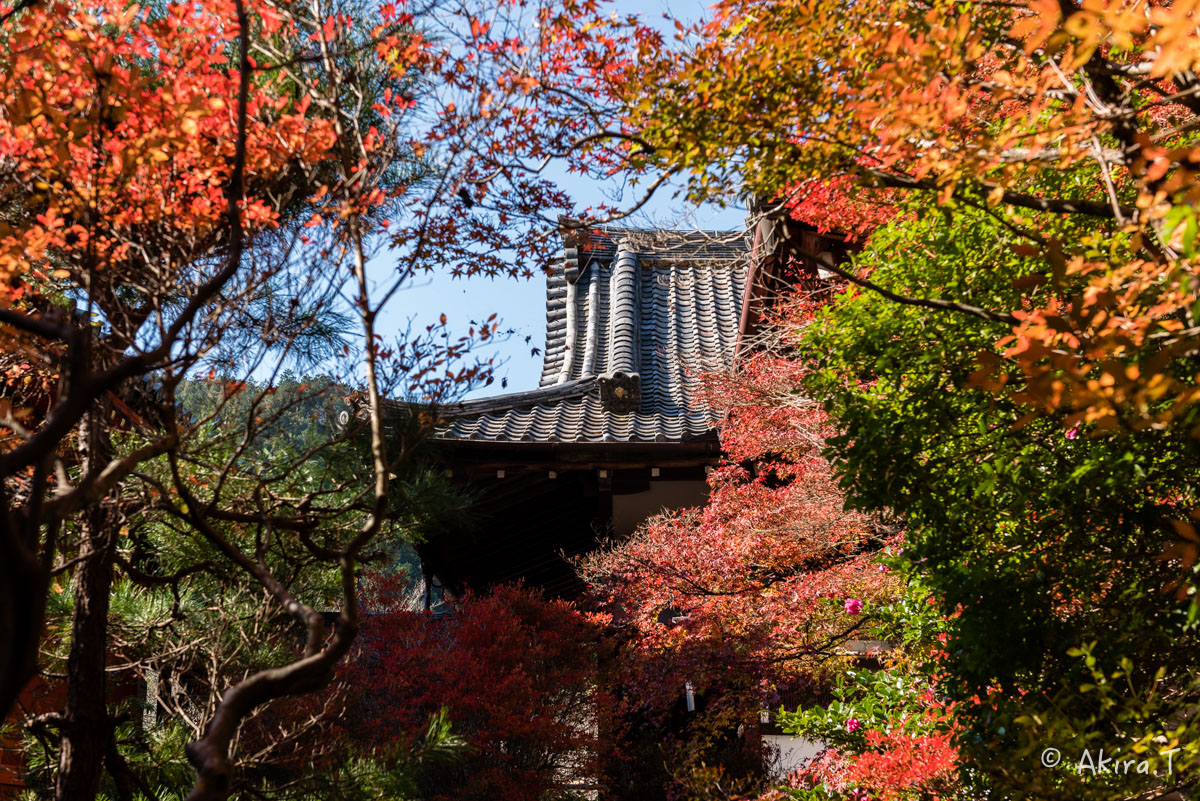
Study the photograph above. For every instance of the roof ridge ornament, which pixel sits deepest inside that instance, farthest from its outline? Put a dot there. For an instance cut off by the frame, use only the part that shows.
(621, 393)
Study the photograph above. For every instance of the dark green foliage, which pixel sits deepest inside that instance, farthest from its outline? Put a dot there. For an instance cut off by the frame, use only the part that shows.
(1042, 541)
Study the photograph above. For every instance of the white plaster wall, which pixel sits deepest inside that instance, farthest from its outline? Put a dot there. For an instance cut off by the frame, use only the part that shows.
(789, 753)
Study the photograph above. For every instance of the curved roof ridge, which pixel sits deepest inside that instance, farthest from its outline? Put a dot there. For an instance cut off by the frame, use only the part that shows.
(520, 400)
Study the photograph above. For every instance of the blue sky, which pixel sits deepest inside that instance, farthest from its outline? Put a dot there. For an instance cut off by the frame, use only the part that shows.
(521, 303)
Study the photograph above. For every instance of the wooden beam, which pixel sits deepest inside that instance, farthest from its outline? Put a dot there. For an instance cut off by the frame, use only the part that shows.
(513, 468)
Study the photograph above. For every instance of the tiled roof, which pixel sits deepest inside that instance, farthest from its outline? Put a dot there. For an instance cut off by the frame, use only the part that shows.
(632, 318)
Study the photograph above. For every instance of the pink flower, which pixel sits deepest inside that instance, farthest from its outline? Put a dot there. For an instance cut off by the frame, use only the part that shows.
(853, 606)
(852, 725)
(1073, 432)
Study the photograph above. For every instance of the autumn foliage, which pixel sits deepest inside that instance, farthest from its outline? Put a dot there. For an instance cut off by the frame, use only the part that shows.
(1022, 177)
(760, 574)
(102, 157)
(1011, 370)
(518, 677)
(1082, 111)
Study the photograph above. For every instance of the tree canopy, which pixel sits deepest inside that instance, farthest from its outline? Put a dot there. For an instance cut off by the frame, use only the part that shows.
(980, 449)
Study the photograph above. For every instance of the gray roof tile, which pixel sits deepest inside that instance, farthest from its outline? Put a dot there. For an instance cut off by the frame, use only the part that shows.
(632, 318)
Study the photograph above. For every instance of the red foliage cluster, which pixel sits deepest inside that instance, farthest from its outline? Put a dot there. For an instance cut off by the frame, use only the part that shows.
(756, 582)
(517, 676)
(841, 205)
(900, 762)
(163, 154)
(909, 759)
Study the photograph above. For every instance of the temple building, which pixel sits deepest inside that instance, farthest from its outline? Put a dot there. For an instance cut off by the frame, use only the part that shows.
(617, 429)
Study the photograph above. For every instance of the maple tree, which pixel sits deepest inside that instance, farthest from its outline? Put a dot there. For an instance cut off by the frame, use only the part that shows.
(86, 139)
(157, 168)
(888, 731)
(128, 206)
(757, 595)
